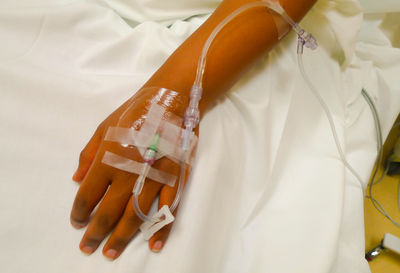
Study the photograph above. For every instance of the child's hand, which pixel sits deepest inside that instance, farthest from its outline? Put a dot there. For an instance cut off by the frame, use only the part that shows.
(115, 186)
(253, 34)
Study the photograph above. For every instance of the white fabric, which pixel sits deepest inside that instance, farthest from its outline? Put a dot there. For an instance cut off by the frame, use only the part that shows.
(138, 11)
(268, 192)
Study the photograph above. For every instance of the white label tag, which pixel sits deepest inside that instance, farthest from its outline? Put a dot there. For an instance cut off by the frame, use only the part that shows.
(149, 228)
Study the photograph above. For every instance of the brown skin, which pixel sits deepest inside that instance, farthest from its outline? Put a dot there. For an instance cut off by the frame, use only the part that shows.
(235, 49)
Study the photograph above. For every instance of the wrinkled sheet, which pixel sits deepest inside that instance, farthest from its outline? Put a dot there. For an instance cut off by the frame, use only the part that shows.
(268, 192)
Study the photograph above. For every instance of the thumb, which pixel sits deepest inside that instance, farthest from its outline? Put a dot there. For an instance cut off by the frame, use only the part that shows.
(87, 155)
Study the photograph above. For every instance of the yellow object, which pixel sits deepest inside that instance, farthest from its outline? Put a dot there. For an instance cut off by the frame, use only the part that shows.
(376, 225)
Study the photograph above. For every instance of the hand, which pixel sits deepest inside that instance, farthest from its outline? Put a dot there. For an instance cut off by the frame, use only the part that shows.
(256, 35)
(99, 180)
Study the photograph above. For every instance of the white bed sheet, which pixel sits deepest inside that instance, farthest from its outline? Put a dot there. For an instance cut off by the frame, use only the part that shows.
(268, 192)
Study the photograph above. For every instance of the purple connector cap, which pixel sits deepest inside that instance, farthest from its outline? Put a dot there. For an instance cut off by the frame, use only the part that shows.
(305, 39)
(310, 42)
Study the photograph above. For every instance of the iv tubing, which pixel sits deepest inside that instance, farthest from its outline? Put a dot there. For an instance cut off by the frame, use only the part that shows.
(148, 162)
(137, 190)
(202, 62)
(328, 115)
(174, 205)
(376, 119)
(192, 113)
(379, 138)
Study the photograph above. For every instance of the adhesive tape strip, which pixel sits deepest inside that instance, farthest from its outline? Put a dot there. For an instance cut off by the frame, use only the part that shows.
(170, 134)
(128, 136)
(149, 228)
(150, 126)
(124, 136)
(132, 166)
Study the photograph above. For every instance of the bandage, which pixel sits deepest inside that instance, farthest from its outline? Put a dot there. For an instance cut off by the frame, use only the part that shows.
(131, 166)
(170, 135)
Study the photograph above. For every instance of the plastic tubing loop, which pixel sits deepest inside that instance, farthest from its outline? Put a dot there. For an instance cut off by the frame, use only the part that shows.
(148, 158)
(378, 132)
(191, 118)
(190, 121)
(141, 180)
(139, 185)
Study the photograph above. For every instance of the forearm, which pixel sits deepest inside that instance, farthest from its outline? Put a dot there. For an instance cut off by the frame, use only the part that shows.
(237, 47)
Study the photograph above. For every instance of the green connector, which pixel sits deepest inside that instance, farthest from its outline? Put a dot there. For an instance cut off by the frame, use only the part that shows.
(154, 145)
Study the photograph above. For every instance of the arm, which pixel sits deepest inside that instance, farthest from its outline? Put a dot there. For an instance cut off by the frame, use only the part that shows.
(234, 50)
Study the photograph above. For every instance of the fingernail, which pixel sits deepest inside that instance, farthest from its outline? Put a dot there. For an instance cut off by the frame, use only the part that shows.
(157, 246)
(76, 224)
(111, 253)
(87, 249)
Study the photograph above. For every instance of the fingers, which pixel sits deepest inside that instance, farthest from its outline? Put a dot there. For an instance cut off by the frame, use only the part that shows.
(108, 213)
(89, 194)
(130, 222)
(87, 156)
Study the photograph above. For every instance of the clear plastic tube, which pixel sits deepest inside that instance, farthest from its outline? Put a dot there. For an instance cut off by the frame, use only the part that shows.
(330, 118)
(376, 120)
(379, 138)
(274, 5)
(139, 186)
(140, 180)
(181, 185)
(202, 61)
(136, 192)
(192, 113)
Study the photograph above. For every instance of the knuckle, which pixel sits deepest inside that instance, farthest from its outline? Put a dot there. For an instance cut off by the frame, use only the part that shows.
(119, 242)
(79, 210)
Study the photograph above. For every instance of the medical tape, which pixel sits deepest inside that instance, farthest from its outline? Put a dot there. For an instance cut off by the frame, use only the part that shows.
(149, 228)
(170, 135)
(150, 126)
(167, 146)
(131, 166)
(170, 142)
(127, 137)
